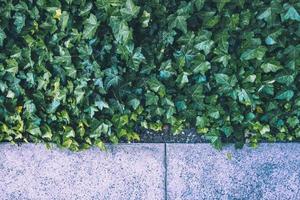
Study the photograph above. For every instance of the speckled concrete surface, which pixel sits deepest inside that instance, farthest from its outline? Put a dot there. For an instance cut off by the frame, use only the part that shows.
(125, 172)
(197, 171)
(137, 171)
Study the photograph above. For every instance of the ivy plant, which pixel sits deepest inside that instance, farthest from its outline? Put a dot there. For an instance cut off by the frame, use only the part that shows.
(84, 72)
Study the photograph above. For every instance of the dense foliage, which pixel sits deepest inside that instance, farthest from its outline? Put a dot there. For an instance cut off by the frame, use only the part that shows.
(83, 72)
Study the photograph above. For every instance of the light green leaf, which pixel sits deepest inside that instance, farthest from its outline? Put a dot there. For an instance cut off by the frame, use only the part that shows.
(10, 94)
(120, 30)
(197, 92)
(201, 121)
(291, 14)
(145, 19)
(101, 104)
(214, 114)
(64, 20)
(137, 59)
(244, 97)
(2, 37)
(285, 95)
(199, 4)
(285, 79)
(265, 15)
(293, 121)
(98, 128)
(205, 46)
(182, 79)
(297, 133)
(202, 67)
(12, 66)
(257, 53)
(34, 130)
(100, 145)
(53, 106)
(134, 103)
(155, 85)
(46, 131)
(270, 41)
(79, 94)
(112, 77)
(19, 21)
(251, 78)
(130, 10)
(221, 4)
(180, 23)
(222, 79)
(151, 99)
(269, 67)
(90, 27)
(69, 132)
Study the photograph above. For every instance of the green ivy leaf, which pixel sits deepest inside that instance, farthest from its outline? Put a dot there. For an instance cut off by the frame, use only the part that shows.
(155, 85)
(19, 21)
(151, 99)
(2, 37)
(199, 4)
(145, 19)
(112, 77)
(34, 130)
(101, 104)
(181, 106)
(182, 79)
(202, 67)
(244, 97)
(285, 95)
(270, 41)
(291, 14)
(257, 53)
(100, 145)
(12, 66)
(285, 79)
(222, 79)
(90, 27)
(137, 59)
(69, 132)
(227, 130)
(205, 46)
(266, 14)
(269, 67)
(293, 121)
(120, 30)
(130, 10)
(134, 103)
(202, 121)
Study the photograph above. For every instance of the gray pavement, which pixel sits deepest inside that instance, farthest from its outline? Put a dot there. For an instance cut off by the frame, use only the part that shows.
(196, 171)
(124, 172)
(150, 172)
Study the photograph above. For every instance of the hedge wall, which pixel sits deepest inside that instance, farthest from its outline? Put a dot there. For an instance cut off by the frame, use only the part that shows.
(82, 72)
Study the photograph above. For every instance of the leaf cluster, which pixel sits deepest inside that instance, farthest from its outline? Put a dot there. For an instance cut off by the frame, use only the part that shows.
(80, 72)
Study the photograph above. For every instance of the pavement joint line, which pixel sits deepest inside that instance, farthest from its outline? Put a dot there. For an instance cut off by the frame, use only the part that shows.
(166, 171)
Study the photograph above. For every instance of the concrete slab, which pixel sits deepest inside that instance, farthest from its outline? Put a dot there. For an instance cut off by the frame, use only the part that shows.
(197, 171)
(126, 172)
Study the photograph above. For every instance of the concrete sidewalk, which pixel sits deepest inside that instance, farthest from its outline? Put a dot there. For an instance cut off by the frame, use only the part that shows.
(150, 171)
